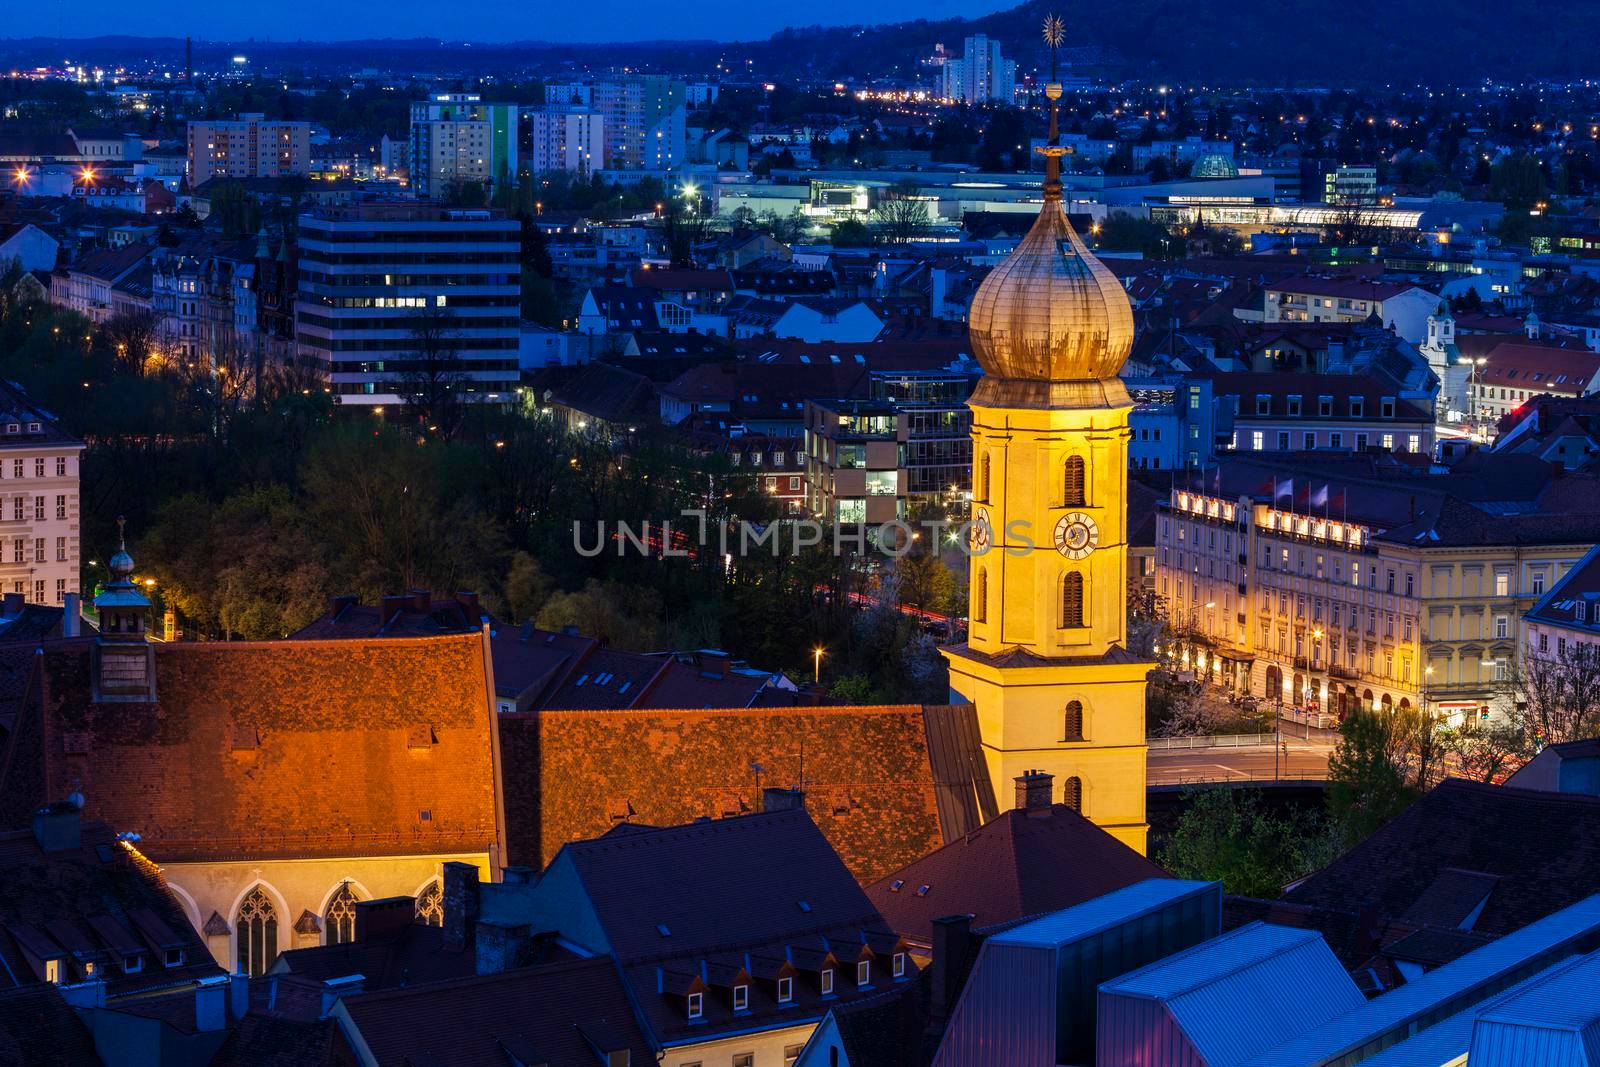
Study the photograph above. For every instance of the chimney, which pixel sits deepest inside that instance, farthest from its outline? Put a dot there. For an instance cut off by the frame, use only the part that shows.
(421, 601)
(71, 616)
(13, 605)
(506, 946)
(385, 918)
(952, 944)
(211, 1003)
(776, 799)
(238, 996)
(334, 988)
(516, 875)
(338, 604)
(390, 606)
(1034, 789)
(460, 904)
(469, 604)
(57, 827)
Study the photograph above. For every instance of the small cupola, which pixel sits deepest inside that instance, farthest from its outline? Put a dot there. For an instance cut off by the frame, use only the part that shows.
(124, 664)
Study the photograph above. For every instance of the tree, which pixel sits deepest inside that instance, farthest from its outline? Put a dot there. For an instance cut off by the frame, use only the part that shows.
(683, 229)
(901, 215)
(430, 378)
(1368, 783)
(527, 587)
(851, 233)
(1179, 710)
(1229, 836)
(925, 581)
(1553, 697)
(625, 617)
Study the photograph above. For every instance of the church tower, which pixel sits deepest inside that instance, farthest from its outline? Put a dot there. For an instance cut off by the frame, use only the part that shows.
(1045, 661)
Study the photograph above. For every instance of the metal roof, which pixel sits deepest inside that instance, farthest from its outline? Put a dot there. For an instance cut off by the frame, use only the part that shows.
(1236, 994)
(1449, 990)
(1104, 912)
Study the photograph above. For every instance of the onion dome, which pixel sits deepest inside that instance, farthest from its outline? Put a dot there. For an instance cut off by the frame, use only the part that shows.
(1051, 311)
(121, 564)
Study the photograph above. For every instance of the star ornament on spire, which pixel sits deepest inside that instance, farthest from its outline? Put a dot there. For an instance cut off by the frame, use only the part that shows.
(1055, 31)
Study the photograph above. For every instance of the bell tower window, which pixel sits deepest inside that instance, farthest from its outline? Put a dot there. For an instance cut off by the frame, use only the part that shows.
(980, 605)
(983, 479)
(1073, 719)
(1073, 483)
(1072, 600)
(1072, 794)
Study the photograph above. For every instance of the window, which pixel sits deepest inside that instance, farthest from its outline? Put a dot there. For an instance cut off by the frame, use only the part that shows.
(38, 550)
(1294, 406)
(133, 964)
(1358, 407)
(899, 964)
(1325, 406)
(16, 468)
(1073, 728)
(1361, 442)
(430, 905)
(827, 981)
(1072, 495)
(52, 971)
(38, 508)
(983, 480)
(1335, 440)
(1257, 440)
(1502, 626)
(1263, 404)
(1502, 584)
(256, 930)
(791, 1055)
(339, 921)
(1538, 583)
(1310, 441)
(1413, 443)
(1388, 442)
(174, 957)
(1072, 794)
(1386, 407)
(1072, 600)
(697, 1003)
(61, 466)
(744, 1059)
(1411, 584)
(980, 607)
(785, 990)
(38, 467)
(741, 998)
(1283, 440)
(864, 972)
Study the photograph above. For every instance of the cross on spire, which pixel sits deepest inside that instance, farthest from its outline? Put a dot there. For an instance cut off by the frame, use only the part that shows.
(1054, 34)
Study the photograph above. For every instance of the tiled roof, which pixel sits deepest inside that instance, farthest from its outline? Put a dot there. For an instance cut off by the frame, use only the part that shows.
(101, 901)
(262, 1040)
(609, 393)
(1543, 847)
(289, 748)
(1022, 863)
(423, 616)
(677, 281)
(1279, 387)
(885, 784)
(553, 1015)
(38, 1028)
(1347, 288)
(408, 956)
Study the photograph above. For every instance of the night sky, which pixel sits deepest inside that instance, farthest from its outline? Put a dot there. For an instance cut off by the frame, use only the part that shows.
(483, 20)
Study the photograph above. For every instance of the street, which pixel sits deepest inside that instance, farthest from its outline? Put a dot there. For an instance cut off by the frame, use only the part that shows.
(1303, 760)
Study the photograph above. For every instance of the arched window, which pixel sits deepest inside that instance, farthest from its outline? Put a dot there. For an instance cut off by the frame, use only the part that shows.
(430, 904)
(1072, 794)
(980, 606)
(339, 921)
(1072, 600)
(1073, 730)
(257, 931)
(1073, 489)
(983, 479)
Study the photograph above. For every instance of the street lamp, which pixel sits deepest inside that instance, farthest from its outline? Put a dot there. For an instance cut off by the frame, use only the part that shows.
(816, 665)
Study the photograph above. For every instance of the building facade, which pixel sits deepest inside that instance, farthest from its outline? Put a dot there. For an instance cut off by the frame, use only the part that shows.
(248, 147)
(567, 137)
(981, 75)
(855, 461)
(457, 139)
(643, 118)
(39, 496)
(387, 289)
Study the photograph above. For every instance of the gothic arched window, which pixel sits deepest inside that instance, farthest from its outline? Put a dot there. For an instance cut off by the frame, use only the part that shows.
(1072, 794)
(980, 607)
(256, 929)
(1073, 483)
(339, 921)
(1073, 718)
(1072, 600)
(983, 479)
(430, 904)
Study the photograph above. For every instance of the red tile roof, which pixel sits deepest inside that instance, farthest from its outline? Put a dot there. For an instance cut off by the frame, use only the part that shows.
(885, 784)
(1022, 863)
(287, 748)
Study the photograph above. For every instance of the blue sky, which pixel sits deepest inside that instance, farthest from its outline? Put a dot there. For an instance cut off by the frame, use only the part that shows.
(481, 20)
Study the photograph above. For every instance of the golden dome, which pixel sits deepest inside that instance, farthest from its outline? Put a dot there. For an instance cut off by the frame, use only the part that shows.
(1051, 311)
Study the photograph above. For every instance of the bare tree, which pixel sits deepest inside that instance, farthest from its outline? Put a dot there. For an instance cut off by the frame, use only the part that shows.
(431, 380)
(901, 215)
(1555, 697)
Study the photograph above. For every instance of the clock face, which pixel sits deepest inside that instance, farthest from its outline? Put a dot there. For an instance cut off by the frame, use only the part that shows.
(1076, 535)
(980, 530)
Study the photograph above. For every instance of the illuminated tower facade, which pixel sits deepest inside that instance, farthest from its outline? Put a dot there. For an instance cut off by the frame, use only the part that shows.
(1045, 661)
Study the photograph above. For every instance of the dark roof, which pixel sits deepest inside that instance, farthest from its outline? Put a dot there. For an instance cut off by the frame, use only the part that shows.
(99, 902)
(885, 784)
(1022, 863)
(264, 1040)
(17, 406)
(109, 264)
(38, 1028)
(555, 1015)
(608, 393)
(1349, 288)
(374, 746)
(411, 955)
(885, 1030)
(1544, 849)
(667, 279)
(1280, 386)
(419, 614)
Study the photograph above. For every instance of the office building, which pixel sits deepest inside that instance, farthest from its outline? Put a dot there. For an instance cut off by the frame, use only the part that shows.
(855, 457)
(382, 284)
(981, 75)
(457, 139)
(248, 147)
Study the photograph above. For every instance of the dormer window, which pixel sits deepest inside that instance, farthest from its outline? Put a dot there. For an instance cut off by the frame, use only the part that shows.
(1263, 404)
(132, 964)
(1325, 406)
(52, 971)
(1294, 406)
(1358, 407)
(1386, 407)
(899, 965)
(697, 1004)
(785, 990)
(864, 973)
(827, 981)
(741, 998)
(174, 957)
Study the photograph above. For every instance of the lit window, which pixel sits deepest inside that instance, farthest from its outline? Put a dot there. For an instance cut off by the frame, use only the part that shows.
(899, 964)
(696, 1005)
(52, 970)
(785, 990)
(741, 997)
(827, 981)
(864, 972)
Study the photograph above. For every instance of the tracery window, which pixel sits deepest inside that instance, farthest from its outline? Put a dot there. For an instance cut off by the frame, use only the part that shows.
(339, 921)
(430, 904)
(256, 930)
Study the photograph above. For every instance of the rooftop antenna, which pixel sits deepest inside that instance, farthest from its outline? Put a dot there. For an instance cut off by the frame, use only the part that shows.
(1054, 34)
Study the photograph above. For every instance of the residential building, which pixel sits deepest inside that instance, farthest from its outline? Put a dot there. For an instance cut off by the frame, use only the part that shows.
(567, 137)
(1174, 422)
(87, 285)
(1396, 305)
(1511, 375)
(387, 287)
(642, 118)
(1306, 412)
(981, 75)
(457, 139)
(39, 495)
(27, 246)
(248, 146)
(938, 451)
(855, 460)
(1565, 622)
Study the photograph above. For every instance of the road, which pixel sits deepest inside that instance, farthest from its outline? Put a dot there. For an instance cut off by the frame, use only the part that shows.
(1303, 760)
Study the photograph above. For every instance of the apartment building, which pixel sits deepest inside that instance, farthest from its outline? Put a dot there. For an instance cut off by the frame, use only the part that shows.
(567, 137)
(1304, 412)
(458, 139)
(855, 461)
(383, 284)
(643, 118)
(938, 450)
(1398, 305)
(1333, 585)
(248, 147)
(982, 74)
(39, 502)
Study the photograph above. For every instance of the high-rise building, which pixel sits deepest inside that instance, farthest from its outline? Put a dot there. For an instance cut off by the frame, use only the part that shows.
(457, 139)
(567, 137)
(1046, 661)
(644, 117)
(39, 495)
(248, 147)
(391, 291)
(981, 75)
